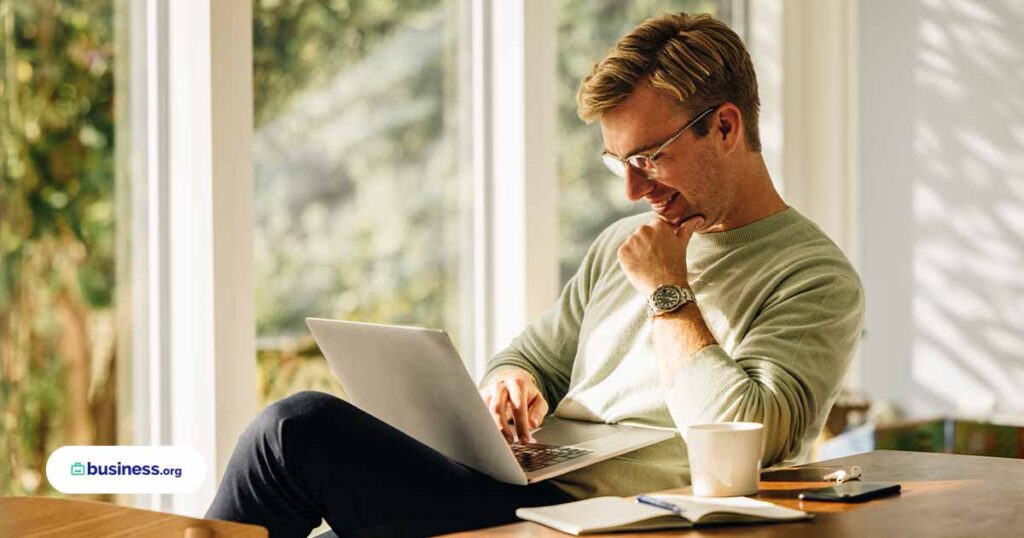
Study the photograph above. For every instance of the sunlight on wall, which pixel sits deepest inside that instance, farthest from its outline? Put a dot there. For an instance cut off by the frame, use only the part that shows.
(968, 208)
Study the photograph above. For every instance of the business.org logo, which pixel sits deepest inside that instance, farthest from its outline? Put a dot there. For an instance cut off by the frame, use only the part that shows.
(121, 469)
(126, 469)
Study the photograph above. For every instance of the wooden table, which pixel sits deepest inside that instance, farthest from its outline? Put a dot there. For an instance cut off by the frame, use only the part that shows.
(31, 517)
(943, 495)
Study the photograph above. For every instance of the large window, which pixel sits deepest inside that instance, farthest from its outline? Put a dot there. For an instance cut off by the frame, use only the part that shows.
(361, 165)
(590, 197)
(363, 204)
(360, 200)
(57, 235)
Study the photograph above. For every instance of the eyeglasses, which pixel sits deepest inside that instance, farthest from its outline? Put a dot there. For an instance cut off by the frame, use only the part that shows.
(644, 163)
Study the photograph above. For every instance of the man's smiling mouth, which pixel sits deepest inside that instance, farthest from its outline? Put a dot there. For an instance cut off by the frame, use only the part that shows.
(660, 206)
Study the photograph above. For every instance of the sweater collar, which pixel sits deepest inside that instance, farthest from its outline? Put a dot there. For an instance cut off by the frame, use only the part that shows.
(751, 232)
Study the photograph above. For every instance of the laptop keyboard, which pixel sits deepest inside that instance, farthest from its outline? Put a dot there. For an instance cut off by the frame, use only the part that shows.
(532, 457)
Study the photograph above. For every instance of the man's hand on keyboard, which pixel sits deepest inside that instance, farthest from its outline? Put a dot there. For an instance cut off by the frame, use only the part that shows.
(512, 395)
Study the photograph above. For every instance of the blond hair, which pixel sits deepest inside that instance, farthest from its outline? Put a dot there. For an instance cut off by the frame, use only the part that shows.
(694, 58)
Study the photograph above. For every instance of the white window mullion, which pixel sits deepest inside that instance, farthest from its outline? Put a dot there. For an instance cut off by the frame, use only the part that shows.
(144, 289)
(523, 211)
(818, 120)
(482, 221)
(234, 309)
(764, 41)
(202, 204)
(540, 118)
(190, 219)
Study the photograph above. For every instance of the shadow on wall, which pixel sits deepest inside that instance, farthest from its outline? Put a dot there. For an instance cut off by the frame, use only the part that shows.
(968, 208)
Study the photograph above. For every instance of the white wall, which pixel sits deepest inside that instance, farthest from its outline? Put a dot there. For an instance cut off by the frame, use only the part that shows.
(941, 209)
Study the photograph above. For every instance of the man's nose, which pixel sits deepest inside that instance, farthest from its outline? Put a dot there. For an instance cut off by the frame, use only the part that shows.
(637, 184)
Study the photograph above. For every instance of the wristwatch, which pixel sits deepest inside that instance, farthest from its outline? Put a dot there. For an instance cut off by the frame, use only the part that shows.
(668, 298)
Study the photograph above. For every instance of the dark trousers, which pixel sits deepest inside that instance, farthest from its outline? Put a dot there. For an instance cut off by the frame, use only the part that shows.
(312, 455)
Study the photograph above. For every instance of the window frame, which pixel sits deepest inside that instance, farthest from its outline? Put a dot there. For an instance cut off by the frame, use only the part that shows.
(515, 163)
(189, 169)
(187, 162)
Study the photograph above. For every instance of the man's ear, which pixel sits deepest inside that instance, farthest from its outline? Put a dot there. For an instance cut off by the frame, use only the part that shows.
(728, 127)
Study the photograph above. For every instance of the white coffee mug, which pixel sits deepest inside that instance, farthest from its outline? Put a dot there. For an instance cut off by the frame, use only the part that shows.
(725, 458)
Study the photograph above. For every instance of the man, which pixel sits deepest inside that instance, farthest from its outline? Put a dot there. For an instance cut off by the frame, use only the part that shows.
(755, 317)
(777, 307)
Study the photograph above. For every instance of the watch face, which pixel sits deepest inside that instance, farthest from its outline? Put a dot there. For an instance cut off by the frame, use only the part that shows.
(667, 297)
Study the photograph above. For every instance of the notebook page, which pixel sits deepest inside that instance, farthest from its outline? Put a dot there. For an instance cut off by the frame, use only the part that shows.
(601, 513)
(695, 508)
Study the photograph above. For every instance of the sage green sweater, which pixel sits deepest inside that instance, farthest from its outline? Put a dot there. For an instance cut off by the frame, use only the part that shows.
(784, 304)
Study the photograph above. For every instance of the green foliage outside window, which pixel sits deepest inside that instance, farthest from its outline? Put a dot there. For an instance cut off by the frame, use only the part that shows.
(57, 374)
(359, 197)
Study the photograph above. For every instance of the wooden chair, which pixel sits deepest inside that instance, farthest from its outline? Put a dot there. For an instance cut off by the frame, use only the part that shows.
(27, 517)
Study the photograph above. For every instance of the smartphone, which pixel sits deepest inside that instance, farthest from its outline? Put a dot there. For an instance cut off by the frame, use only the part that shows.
(851, 492)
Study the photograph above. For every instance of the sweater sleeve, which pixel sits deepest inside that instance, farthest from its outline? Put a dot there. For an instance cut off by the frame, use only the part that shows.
(784, 370)
(547, 347)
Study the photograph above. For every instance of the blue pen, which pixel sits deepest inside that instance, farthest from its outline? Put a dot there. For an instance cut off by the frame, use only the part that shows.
(652, 501)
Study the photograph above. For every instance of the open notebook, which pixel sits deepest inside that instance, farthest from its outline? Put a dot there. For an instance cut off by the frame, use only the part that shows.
(616, 514)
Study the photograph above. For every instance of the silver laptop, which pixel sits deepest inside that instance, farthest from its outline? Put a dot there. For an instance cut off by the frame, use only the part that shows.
(414, 380)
